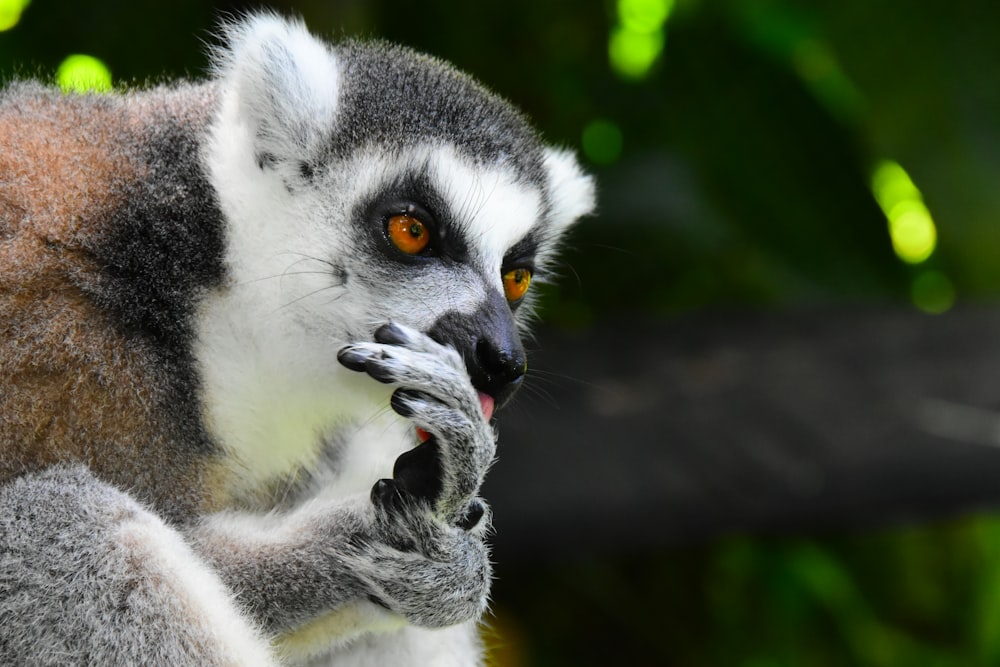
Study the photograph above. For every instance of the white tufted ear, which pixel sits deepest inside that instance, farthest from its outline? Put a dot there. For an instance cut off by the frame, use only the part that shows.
(285, 82)
(571, 192)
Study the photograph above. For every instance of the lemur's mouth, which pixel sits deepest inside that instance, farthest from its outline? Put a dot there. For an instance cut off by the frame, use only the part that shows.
(486, 402)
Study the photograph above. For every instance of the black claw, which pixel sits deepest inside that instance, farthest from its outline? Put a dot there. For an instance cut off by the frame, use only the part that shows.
(380, 373)
(399, 404)
(352, 359)
(386, 494)
(473, 515)
(418, 471)
(390, 334)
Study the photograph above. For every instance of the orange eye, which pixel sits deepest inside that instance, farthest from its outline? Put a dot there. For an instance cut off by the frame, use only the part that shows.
(515, 283)
(408, 234)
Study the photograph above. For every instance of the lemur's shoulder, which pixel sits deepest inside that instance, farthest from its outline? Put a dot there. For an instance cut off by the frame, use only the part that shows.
(82, 379)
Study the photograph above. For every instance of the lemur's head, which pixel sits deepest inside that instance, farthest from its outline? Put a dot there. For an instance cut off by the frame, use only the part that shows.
(374, 184)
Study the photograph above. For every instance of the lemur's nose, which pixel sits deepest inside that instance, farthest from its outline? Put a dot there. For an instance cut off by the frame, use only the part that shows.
(500, 364)
(489, 343)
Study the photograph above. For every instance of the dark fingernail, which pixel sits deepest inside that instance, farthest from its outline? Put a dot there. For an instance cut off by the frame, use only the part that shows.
(473, 515)
(380, 372)
(352, 359)
(386, 495)
(399, 403)
(390, 334)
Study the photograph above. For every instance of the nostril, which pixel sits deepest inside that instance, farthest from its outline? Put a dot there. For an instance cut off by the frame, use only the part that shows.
(502, 365)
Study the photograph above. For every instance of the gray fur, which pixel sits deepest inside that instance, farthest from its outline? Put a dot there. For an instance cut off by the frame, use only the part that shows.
(78, 587)
(395, 96)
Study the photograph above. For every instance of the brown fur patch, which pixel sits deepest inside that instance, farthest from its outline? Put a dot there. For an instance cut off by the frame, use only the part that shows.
(72, 387)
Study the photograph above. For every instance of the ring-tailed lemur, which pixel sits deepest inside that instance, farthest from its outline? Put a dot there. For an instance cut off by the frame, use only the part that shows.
(252, 332)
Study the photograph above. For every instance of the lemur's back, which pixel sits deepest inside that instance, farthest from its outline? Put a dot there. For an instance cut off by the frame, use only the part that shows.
(76, 377)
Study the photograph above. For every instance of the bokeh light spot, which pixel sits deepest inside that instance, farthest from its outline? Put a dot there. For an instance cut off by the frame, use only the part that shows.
(644, 16)
(602, 141)
(911, 228)
(632, 54)
(81, 74)
(637, 40)
(892, 185)
(913, 233)
(932, 292)
(10, 13)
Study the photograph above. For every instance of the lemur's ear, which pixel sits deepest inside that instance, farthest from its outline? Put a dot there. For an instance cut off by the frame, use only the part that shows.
(571, 192)
(285, 85)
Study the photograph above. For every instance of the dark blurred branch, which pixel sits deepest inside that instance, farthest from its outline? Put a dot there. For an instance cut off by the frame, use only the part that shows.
(639, 433)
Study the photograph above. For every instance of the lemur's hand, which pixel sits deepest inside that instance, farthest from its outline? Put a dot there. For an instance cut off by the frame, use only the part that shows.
(426, 556)
(447, 470)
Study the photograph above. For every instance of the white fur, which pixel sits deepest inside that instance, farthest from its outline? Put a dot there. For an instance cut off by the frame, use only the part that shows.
(329, 637)
(280, 73)
(494, 209)
(272, 383)
(447, 647)
(573, 192)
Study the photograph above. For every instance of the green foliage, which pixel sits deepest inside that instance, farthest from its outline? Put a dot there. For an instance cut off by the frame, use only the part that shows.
(920, 595)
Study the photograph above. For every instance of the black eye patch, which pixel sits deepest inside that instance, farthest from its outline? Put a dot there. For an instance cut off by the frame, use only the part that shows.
(412, 193)
(521, 254)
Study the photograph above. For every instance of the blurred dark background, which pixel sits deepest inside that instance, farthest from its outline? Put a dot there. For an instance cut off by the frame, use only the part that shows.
(763, 423)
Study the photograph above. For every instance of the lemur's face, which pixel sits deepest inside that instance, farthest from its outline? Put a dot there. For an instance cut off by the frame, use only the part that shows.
(434, 242)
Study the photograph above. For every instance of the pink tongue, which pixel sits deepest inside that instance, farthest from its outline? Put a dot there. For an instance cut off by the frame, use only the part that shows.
(487, 404)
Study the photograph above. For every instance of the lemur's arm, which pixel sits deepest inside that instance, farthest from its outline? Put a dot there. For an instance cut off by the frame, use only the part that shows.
(414, 546)
(88, 575)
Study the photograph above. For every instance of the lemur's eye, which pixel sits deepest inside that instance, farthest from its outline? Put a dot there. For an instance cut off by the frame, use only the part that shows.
(515, 284)
(408, 234)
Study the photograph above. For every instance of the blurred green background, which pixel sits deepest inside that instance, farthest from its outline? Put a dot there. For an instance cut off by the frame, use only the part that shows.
(752, 155)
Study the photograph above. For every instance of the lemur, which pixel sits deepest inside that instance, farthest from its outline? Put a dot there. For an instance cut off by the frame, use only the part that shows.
(253, 331)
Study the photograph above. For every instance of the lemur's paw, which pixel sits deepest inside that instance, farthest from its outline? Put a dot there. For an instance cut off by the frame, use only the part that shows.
(437, 395)
(431, 573)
